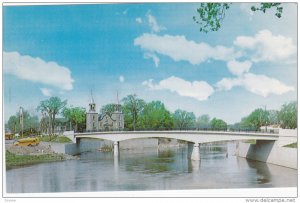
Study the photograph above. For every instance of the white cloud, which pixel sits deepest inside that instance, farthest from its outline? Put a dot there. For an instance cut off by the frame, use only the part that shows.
(121, 78)
(139, 20)
(257, 84)
(265, 46)
(46, 92)
(37, 70)
(153, 57)
(199, 90)
(153, 24)
(179, 48)
(238, 68)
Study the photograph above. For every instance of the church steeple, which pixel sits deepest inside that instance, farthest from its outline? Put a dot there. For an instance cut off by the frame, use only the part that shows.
(118, 104)
(92, 104)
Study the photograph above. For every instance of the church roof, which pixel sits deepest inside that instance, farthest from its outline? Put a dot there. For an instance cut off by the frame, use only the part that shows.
(101, 116)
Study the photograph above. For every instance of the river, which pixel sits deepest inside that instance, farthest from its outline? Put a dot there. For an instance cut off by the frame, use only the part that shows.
(150, 169)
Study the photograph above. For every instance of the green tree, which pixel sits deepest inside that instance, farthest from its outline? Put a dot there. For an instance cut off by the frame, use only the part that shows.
(155, 116)
(218, 124)
(75, 115)
(30, 123)
(110, 108)
(183, 120)
(288, 115)
(210, 15)
(273, 117)
(259, 117)
(52, 107)
(203, 122)
(132, 108)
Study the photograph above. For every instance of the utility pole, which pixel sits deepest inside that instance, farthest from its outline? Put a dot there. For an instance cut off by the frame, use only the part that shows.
(21, 120)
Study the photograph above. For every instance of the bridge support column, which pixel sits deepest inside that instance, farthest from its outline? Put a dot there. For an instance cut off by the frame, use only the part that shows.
(116, 148)
(195, 152)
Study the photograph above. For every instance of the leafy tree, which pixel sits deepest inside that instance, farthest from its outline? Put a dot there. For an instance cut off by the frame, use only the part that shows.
(257, 118)
(265, 6)
(183, 120)
(110, 108)
(273, 117)
(210, 15)
(203, 122)
(44, 123)
(155, 116)
(288, 115)
(30, 123)
(76, 115)
(218, 124)
(52, 107)
(235, 127)
(132, 108)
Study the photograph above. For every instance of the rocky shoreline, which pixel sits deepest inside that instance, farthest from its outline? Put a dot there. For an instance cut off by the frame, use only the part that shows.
(19, 156)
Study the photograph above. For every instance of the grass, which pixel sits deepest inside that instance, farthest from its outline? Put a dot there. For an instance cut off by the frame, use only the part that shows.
(55, 138)
(292, 145)
(13, 160)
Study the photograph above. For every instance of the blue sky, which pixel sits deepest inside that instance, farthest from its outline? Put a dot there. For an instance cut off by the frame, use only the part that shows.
(153, 50)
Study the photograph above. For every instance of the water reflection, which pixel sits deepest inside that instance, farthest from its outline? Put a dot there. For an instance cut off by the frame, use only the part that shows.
(150, 169)
(262, 171)
(193, 166)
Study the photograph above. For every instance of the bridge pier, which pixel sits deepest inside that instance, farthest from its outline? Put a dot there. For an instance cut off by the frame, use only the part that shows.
(116, 148)
(195, 155)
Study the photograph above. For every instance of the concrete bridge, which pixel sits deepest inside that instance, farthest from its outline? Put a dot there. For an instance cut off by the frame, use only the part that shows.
(194, 138)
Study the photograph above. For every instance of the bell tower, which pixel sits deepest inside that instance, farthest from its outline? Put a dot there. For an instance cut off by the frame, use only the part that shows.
(92, 116)
(118, 116)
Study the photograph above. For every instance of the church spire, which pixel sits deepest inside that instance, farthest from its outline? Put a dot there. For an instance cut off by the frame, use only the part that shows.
(118, 102)
(92, 99)
(92, 104)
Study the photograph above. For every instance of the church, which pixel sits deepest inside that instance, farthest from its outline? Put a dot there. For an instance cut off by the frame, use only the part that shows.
(103, 122)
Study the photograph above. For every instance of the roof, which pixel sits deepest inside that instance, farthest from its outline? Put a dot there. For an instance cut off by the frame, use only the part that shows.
(101, 116)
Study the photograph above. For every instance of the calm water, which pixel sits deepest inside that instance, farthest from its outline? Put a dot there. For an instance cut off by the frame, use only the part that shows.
(150, 169)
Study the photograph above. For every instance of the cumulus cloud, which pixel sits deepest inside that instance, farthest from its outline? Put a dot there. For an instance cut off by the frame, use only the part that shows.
(121, 78)
(37, 70)
(257, 84)
(46, 92)
(239, 68)
(181, 49)
(153, 23)
(199, 90)
(265, 46)
(139, 20)
(153, 57)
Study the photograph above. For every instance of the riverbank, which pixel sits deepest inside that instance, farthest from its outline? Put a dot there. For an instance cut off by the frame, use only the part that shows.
(19, 156)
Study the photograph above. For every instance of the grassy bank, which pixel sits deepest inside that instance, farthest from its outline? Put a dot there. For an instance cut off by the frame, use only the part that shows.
(55, 138)
(13, 160)
(293, 145)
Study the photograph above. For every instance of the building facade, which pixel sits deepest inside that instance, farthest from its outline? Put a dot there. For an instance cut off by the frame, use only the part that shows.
(103, 122)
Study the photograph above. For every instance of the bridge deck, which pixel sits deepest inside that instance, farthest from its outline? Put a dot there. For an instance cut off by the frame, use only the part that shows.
(190, 136)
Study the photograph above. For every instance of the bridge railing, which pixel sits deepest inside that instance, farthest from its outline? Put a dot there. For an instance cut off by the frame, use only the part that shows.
(192, 130)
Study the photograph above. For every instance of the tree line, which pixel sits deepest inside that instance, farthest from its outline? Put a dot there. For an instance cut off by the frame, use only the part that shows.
(142, 115)
(286, 117)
